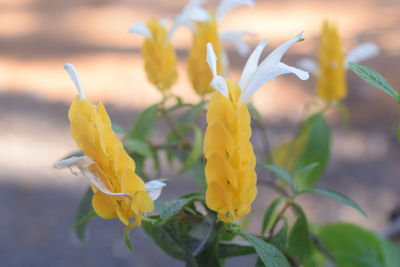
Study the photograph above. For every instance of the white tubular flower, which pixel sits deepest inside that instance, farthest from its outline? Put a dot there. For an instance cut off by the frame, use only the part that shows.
(254, 75)
(139, 27)
(362, 52)
(193, 11)
(227, 5)
(237, 39)
(218, 82)
(73, 74)
(359, 53)
(83, 163)
(154, 188)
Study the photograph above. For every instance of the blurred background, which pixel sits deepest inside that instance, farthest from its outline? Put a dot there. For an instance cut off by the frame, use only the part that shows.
(38, 203)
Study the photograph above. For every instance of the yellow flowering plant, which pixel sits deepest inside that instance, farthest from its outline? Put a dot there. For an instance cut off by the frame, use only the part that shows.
(212, 141)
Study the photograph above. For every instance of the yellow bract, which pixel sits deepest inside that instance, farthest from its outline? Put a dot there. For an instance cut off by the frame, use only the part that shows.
(198, 70)
(331, 83)
(230, 175)
(159, 57)
(91, 129)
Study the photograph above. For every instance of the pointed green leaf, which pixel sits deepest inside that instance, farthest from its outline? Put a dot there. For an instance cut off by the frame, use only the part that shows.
(84, 209)
(144, 123)
(280, 172)
(138, 146)
(197, 149)
(316, 149)
(375, 79)
(269, 254)
(270, 215)
(300, 243)
(168, 209)
(335, 195)
(280, 239)
(127, 239)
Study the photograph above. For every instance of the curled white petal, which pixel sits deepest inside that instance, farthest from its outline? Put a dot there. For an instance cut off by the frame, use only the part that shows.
(193, 11)
(139, 27)
(237, 39)
(270, 68)
(251, 64)
(82, 163)
(309, 65)
(73, 74)
(219, 84)
(362, 52)
(211, 59)
(227, 5)
(154, 188)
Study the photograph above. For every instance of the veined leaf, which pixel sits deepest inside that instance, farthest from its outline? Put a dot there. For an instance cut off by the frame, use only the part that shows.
(234, 248)
(375, 79)
(335, 195)
(270, 255)
(168, 209)
(144, 123)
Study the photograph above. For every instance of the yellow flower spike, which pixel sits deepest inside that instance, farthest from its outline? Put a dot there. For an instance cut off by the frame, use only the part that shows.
(198, 71)
(230, 159)
(332, 63)
(118, 191)
(158, 54)
(331, 82)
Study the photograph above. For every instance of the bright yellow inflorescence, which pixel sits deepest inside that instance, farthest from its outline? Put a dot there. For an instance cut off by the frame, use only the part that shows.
(198, 70)
(159, 57)
(230, 175)
(91, 129)
(331, 83)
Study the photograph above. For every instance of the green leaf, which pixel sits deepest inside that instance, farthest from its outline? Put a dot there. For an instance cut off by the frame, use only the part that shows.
(84, 219)
(84, 209)
(144, 123)
(270, 255)
(138, 146)
(168, 209)
(280, 172)
(352, 246)
(375, 79)
(300, 243)
(280, 239)
(197, 149)
(118, 129)
(316, 149)
(234, 248)
(127, 239)
(335, 195)
(270, 215)
(166, 239)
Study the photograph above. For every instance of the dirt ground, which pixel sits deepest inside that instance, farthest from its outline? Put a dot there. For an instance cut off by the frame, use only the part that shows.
(37, 203)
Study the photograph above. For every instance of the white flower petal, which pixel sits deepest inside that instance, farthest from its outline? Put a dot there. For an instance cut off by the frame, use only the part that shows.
(219, 84)
(269, 68)
(190, 13)
(154, 188)
(227, 5)
(237, 39)
(82, 163)
(309, 65)
(251, 64)
(362, 52)
(73, 74)
(139, 27)
(211, 59)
